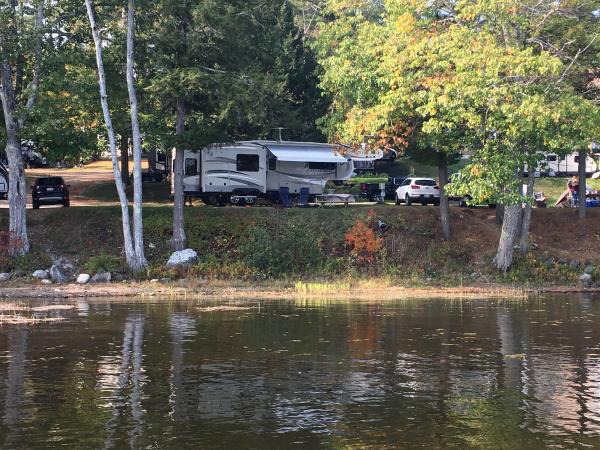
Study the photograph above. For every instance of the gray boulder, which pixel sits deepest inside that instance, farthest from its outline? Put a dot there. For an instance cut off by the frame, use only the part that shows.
(4, 277)
(182, 258)
(64, 265)
(57, 275)
(586, 279)
(101, 277)
(19, 273)
(46, 281)
(41, 274)
(83, 278)
(589, 269)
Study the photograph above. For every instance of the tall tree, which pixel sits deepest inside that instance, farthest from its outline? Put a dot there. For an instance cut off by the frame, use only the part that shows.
(134, 252)
(212, 83)
(453, 76)
(22, 25)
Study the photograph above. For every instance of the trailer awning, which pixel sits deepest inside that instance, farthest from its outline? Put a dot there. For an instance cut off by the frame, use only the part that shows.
(307, 153)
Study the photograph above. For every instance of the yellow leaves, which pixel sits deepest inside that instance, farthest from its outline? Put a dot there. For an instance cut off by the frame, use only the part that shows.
(405, 23)
(475, 170)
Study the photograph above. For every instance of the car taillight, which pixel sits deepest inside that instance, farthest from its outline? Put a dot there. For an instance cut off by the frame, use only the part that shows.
(415, 186)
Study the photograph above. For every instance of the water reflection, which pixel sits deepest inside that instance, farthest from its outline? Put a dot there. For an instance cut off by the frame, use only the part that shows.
(125, 398)
(428, 373)
(14, 413)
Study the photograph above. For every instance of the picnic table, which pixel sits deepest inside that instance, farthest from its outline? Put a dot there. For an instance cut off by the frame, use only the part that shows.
(335, 199)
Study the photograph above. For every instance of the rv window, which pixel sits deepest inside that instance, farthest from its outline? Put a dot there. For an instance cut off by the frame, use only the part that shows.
(247, 163)
(550, 158)
(272, 164)
(577, 159)
(321, 166)
(191, 167)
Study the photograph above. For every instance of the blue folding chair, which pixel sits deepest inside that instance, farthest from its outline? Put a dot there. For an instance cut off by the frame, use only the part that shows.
(303, 197)
(284, 196)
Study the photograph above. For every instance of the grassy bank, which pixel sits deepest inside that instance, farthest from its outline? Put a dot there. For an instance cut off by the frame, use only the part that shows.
(399, 244)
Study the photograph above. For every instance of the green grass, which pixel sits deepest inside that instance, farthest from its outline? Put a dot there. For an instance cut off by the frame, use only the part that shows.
(106, 191)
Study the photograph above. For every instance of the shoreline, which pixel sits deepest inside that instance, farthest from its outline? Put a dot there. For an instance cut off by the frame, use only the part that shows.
(275, 291)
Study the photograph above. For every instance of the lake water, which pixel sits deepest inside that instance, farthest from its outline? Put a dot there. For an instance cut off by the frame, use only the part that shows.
(301, 374)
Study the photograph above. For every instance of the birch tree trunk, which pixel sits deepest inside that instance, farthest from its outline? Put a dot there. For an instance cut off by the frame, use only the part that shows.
(444, 203)
(138, 225)
(524, 241)
(18, 243)
(510, 229)
(179, 240)
(582, 182)
(130, 256)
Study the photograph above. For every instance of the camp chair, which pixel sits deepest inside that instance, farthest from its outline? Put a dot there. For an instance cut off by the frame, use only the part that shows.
(303, 197)
(284, 196)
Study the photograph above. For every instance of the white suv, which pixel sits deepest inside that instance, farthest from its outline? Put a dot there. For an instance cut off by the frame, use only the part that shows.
(416, 189)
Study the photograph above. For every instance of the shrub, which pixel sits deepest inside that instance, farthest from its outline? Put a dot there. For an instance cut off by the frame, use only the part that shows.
(293, 249)
(28, 263)
(105, 263)
(365, 245)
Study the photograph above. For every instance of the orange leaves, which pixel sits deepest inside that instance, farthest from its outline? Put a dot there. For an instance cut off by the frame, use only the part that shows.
(365, 244)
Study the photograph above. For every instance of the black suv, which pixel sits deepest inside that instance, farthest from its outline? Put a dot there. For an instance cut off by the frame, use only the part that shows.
(50, 191)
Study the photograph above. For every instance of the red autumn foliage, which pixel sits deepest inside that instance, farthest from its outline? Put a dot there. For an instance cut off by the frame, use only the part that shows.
(364, 242)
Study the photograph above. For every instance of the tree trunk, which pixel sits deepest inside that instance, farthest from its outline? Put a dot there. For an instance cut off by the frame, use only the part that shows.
(130, 256)
(524, 241)
(138, 225)
(179, 241)
(18, 242)
(582, 182)
(125, 159)
(152, 160)
(444, 203)
(510, 229)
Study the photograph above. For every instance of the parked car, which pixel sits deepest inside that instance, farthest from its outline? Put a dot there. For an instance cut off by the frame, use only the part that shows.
(50, 191)
(392, 185)
(416, 189)
(465, 200)
(372, 191)
(152, 176)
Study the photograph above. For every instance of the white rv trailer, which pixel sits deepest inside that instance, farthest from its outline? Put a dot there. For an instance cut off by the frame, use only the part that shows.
(3, 182)
(220, 173)
(555, 165)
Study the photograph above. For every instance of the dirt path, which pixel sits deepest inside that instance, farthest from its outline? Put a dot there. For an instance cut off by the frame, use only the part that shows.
(79, 180)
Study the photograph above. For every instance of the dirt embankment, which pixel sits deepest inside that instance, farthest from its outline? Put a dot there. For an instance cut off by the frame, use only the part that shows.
(412, 253)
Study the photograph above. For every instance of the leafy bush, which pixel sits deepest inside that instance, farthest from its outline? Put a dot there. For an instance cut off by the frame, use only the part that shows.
(28, 263)
(105, 263)
(292, 249)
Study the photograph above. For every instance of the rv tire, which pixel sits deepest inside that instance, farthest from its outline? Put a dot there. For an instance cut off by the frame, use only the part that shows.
(222, 200)
(210, 200)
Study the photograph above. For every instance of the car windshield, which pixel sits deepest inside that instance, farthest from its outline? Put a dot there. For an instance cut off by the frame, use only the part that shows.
(425, 182)
(52, 181)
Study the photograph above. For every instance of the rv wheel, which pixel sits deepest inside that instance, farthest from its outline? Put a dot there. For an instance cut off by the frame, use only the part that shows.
(222, 200)
(211, 200)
